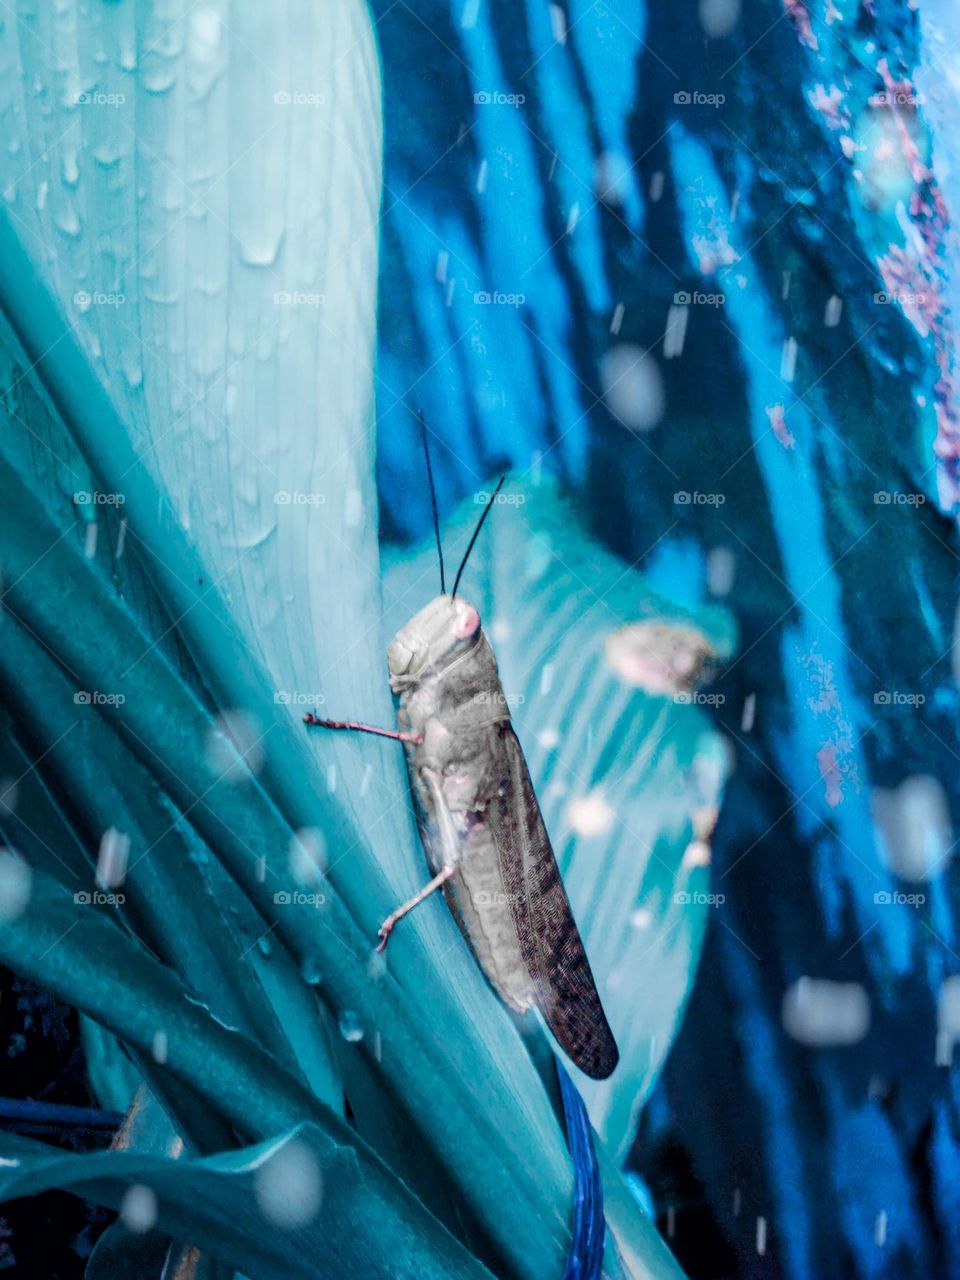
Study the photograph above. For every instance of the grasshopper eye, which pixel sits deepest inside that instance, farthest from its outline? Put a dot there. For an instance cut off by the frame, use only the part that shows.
(468, 621)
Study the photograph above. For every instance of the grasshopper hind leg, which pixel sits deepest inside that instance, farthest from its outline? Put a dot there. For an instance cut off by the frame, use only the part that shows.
(440, 879)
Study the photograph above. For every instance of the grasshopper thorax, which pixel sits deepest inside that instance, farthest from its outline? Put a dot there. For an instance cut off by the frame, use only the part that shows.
(433, 638)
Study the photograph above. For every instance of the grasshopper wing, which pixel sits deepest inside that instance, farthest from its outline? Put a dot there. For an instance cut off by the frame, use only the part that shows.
(549, 941)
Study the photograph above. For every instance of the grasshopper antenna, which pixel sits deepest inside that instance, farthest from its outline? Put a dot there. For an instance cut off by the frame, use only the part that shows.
(433, 499)
(476, 534)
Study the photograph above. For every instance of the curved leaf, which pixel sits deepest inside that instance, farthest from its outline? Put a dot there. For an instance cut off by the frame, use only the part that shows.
(360, 1226)
(628, 777)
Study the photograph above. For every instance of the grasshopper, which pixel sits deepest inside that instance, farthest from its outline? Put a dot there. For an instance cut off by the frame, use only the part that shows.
(480, 822)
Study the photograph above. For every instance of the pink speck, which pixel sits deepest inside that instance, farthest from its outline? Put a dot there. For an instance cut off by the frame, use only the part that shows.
(778, 425)
(829, 102)
(830, 773)
(797, 11)
(918, 274)
(836, 759)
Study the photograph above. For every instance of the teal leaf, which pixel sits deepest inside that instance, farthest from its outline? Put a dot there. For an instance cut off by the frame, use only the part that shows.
(157, 568)
(250, 1209)
(624, 770)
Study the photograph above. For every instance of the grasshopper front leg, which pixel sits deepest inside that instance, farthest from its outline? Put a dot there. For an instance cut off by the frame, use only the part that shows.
(357, 727)
(383, 933)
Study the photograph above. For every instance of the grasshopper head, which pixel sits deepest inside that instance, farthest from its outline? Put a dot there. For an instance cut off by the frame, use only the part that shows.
(442, 630)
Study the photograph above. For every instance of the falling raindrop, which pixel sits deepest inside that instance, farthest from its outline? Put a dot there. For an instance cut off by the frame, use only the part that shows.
(749, 712)
(112, 858)
(288, 1186)
(676, 332)
(943, 1053)
(9, 793)
(832, 311)
(913, 825)
(719, 17)
(70, 168)
(204, 34)
(15, 881)
(307, 855)
(632, 387)
(68, 221)
(159, 1049)
(611, 177)
(788, 360)
(353, 509)
(311, 971)
(948, 1008)
(138, 1209)
(721, 570)
(821, 1013)
(351, 1028)
(233, 746)
(590, 815)
(558, 23)
(500, 630)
